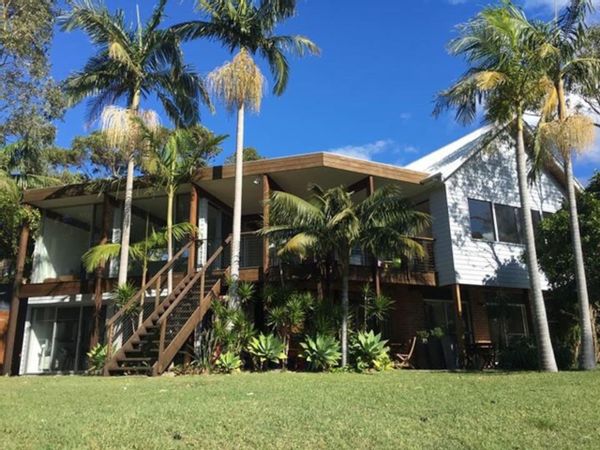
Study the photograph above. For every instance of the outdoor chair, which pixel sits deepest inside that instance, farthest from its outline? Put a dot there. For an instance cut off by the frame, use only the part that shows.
(403, 360)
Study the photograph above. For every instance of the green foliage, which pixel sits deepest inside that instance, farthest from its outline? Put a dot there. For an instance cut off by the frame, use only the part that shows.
(97, 358)
(370, 352)
(321, 353)
(132, 61)
(557, 261)
(245, 291)
(250, 25)
(249, 154)
(228, 362)
(122, 294)
(521, 354)
(29, 98)
(266, 349)
(232, 329)
(375, 307)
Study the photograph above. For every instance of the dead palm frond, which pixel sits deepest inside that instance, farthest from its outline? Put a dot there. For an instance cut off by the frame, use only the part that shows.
(239, 82)
(576, 134)
(123, 126)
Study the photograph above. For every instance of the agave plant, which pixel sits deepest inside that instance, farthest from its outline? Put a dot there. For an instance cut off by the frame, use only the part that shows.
(370, 352)
(266, 349)
(321, 353)
(97, 358)
(228, 362)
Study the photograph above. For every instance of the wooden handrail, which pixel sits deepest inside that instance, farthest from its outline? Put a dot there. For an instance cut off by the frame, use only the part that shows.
(193, 281)
(148, 284)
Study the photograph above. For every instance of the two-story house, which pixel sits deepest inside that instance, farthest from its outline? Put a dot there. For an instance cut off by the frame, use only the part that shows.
(472, 283)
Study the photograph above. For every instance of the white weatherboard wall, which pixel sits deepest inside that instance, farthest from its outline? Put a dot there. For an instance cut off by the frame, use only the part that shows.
(490, 176)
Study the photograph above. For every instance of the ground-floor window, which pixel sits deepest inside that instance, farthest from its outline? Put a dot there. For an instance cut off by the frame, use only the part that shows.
(59, 338)
(507, 322)
(442, 314)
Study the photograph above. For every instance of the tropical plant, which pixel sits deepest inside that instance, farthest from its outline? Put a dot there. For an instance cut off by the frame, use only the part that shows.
(228, 362)
(370, 352)
(131, 63)
(287, 312)
(506, 77)
(232, 329)
(172, 160)
(558, 263)
(563, 133)
(331, 223)
(322, 352)
(246, 27)
(375, 307)
(97, 358)
(250, 154)
(266, 349)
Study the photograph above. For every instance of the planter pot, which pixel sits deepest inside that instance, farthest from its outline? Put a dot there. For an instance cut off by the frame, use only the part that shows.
(450, 352)
(435, 353)
(421, 356)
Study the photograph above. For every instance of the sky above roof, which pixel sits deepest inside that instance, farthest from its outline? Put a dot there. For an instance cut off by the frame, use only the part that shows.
(368, 95)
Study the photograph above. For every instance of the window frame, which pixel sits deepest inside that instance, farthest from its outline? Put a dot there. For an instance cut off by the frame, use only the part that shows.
(519, 211)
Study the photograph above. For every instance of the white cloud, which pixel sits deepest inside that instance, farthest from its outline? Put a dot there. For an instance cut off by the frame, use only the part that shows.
(383, 150)
(405, 116)
(365, 151)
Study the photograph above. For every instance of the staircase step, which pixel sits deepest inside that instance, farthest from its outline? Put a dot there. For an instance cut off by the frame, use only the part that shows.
(141, 370)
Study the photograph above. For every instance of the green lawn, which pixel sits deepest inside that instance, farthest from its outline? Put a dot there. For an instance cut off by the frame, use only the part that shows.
(397, 409)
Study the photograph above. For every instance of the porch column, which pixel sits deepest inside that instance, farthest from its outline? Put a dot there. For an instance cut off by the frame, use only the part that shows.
(194, 221)
(375, 268)
(266, 193)
(106, 225)
(459, 324)
(15, 304)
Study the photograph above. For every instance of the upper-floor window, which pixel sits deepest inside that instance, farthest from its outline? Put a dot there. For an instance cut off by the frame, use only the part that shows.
(482, 220)
(495, 222)
(508, 221)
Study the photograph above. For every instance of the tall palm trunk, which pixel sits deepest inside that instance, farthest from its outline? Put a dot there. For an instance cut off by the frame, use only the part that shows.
(542, 333)
(587, 357)
(170, 201)
(345, 307)
(127, 206)
(237, 206)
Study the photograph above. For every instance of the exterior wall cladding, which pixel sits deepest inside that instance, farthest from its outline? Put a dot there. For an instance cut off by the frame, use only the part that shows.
(487, 176)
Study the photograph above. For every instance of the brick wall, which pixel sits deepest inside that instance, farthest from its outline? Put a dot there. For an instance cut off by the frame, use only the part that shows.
(408, 315)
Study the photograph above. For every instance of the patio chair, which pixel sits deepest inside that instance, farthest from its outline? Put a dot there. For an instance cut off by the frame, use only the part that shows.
(403, 360)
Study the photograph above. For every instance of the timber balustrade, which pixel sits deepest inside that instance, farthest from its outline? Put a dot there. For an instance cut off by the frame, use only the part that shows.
(124, 323)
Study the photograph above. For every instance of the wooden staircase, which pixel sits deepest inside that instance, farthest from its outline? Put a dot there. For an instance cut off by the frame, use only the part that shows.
(147, 343)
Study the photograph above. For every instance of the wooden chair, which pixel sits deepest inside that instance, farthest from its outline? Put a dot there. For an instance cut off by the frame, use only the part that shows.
(403, 360)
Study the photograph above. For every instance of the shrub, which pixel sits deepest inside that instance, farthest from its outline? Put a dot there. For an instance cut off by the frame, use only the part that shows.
(321, 353)
(370, 352)
(228, 362)
(266, 349)
(97, 358)
(521, 354)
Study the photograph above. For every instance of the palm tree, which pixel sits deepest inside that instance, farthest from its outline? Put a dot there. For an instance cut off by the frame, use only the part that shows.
(332, 222)
(131, 64)
(246, 27)
(505, 76)
(569, 133)
(172, 162)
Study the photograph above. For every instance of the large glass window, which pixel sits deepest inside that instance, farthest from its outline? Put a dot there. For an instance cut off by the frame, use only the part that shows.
(442, 314)
(508, 223)
(482, 221)
(507, 321)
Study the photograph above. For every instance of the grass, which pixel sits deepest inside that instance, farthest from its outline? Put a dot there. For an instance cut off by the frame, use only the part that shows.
(397, 409)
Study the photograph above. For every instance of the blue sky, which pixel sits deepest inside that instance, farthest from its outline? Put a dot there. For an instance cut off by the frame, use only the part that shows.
(370, 93)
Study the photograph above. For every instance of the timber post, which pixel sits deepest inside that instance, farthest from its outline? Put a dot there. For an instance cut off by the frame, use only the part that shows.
(15, 304)
(459, 324)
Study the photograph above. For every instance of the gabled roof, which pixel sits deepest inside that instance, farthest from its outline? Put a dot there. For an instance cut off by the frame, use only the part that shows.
(445, 161)
(448, 159)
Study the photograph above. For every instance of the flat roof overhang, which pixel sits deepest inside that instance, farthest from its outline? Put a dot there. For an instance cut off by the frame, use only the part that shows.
(292, 174)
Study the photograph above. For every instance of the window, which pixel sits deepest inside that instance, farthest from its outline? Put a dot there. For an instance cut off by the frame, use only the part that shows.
(536, 217)
(441, 313)
(508, 222)
(507, 322)
(482, 221)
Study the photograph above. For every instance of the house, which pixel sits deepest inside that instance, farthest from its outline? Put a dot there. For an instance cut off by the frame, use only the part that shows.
(472, 282)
